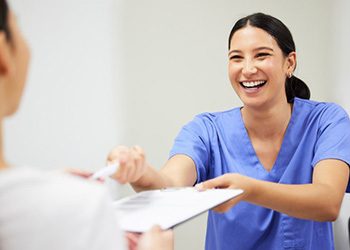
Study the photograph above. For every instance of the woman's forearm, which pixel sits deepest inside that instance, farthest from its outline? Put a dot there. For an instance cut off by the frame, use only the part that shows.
(178, 171)
(152, 179)
(320, 200)
(307, 201)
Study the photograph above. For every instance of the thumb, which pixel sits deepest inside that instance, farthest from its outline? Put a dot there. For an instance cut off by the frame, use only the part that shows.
(156, 229)
(219, 182)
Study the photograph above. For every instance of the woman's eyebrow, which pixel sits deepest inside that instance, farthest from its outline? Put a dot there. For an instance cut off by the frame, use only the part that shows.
(234, 51)
(256, 49)
(263, 48)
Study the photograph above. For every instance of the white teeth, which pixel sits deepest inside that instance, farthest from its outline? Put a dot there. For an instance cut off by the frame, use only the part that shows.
(252, 84)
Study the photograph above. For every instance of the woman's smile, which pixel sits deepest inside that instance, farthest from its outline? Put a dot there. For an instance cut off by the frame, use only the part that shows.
(252, 86)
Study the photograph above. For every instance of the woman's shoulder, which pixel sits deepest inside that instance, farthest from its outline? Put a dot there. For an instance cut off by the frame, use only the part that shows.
(317, 108)
(219, 115)
(48, 186)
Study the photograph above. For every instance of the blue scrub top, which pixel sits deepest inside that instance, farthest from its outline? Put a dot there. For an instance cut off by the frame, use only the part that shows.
(219, 143)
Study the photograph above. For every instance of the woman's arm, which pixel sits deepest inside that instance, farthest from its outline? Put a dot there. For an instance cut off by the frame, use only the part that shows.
(319, 201)
(179, 170)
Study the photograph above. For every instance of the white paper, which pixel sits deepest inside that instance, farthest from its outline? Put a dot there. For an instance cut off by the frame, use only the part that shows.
(167, 207)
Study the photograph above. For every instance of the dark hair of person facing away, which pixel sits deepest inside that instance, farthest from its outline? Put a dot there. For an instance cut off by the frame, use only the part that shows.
(3, 18)
(294, 86)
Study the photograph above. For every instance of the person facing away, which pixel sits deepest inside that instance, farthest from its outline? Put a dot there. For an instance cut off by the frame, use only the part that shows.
(41, 211)
(289, 154)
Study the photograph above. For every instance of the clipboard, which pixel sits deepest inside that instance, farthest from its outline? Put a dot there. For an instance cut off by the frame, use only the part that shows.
(167, 207)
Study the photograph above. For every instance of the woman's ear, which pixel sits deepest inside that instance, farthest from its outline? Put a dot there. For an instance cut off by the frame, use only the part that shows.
(291, 62)
(6, 64)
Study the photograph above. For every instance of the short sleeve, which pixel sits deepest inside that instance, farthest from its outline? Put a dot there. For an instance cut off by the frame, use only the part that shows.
(334, 136)
(193, 141)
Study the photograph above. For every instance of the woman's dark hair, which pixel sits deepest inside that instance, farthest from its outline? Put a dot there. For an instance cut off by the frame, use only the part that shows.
(294, 86)
(4, 10)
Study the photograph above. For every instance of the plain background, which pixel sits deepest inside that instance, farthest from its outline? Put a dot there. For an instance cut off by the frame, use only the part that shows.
(109, 72)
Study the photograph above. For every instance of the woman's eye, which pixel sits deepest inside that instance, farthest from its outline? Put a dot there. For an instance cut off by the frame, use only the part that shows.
(236, 57)
(262, 55)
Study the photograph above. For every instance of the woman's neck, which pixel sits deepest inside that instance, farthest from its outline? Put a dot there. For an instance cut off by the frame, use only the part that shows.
(268, 123)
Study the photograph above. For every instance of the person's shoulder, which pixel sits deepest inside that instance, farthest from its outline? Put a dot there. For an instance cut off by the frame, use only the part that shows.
(218, 115)
(325, 110)
(59, 194)
(318, 106)
(15, 176)
(49, 186)
(77, 189)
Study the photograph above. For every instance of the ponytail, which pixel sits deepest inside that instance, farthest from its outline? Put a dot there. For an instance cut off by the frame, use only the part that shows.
(296, 88)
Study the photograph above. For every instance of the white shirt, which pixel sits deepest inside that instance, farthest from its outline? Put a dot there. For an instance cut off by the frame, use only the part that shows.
(41, 211)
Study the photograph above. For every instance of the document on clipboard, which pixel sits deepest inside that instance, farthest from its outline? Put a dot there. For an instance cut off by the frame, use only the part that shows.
(167, 207)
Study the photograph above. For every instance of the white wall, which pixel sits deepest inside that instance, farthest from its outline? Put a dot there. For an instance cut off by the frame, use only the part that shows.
(339, 88)
(106, 72)
(340, 53)
(70, 114)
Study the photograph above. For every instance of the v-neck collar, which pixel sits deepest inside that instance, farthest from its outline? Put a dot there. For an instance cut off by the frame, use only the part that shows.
(280, 162)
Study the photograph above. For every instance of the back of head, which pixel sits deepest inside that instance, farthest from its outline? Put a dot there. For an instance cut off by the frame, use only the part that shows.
(294, 86)
(3, 18)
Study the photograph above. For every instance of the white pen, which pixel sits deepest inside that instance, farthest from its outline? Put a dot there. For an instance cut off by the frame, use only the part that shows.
(106, 171)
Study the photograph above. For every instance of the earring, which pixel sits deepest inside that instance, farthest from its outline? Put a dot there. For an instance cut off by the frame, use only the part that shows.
(290, 74)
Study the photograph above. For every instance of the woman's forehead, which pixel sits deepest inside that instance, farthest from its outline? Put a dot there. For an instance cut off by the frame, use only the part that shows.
(250, 36)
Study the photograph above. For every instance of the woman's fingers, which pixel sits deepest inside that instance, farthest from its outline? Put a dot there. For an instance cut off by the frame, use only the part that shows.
(132, 239)
(218, 182)
(131, 163)
(78, 172)
(115, 154)
(157, 239)
(140, 163)
(227, 205)
(225, 181)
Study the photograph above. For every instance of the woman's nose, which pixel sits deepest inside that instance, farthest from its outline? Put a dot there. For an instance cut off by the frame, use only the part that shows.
(249, 68)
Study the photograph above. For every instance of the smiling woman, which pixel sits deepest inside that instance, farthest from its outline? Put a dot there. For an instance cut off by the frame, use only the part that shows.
(281, 40)
(289, 154)
(258, 56)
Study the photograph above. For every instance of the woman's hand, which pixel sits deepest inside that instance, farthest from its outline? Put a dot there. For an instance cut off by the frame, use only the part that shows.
(132, 240)
(156, 239)
(78, 172)
(234, 181)
(132, 163)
